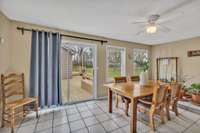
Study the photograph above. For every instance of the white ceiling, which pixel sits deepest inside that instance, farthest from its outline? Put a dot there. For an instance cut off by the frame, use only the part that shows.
(110, 18)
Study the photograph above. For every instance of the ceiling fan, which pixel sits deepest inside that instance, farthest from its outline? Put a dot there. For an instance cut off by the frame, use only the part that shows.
(153, 24)
(156, 22)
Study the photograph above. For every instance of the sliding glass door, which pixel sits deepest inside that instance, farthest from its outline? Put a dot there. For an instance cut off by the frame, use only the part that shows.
(78, 71)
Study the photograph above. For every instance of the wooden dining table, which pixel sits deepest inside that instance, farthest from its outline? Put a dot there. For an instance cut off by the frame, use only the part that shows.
(133, 91)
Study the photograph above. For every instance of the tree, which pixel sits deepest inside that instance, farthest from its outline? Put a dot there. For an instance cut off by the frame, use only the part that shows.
(142, 61)
(80, 56)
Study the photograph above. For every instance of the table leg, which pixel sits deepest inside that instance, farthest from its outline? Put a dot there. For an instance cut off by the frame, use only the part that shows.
(110, 100)
(36, 109)
(12, 119)
(167, 104)
(133, 122)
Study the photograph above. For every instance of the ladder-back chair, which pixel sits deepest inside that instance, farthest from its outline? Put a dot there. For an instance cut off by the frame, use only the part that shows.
(155, 105)
(124, 99)
(13, 97)
(135, 78)
(173, 98)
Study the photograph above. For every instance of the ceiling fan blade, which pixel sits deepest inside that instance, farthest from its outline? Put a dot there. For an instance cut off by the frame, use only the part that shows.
(171, 17)
(163, 28)
(140, 32)
(139, 22)
(176, 7)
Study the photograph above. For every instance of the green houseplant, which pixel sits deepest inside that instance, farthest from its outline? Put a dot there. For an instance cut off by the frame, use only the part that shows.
(185, 80)
(194, 89)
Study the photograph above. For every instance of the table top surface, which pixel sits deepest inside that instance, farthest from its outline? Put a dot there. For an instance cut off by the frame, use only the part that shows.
(131, 89)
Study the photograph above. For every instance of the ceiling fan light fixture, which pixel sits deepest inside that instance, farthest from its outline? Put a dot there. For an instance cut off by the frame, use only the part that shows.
(151, 29)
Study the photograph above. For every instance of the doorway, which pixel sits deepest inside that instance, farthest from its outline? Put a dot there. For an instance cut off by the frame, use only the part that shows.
(78, 71)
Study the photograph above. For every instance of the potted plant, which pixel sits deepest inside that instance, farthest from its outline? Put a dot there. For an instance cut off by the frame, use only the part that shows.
(184, 80)
(143, 63)
(194, 89)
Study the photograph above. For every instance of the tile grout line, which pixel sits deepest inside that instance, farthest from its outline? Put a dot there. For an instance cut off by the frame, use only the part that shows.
(185, 128)
(96, 117)
(99, 122)
(83, 118)
(52, 121)
(108, 120)
(108, 116)
(102, 106)
(20, 125)
(43, 122)
(61, 123)
(68, 120)
(190, 126)
(114, 120)
(74, 120)
(103, 121)
(36, 124)
(110, 113)
(77, 119)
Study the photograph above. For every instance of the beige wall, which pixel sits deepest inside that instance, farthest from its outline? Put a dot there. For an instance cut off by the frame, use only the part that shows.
(4, 49)
(21, 45)
(186, 65)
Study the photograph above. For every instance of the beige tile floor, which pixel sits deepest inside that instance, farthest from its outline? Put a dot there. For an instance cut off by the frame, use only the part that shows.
(76, 92)
(190, 106)
(92, 117)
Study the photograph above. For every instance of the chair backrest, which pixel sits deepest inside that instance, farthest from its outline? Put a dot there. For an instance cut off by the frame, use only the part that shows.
(12, 87)
(159, 93)
(135, 78)
(175, 90)
(120, 79)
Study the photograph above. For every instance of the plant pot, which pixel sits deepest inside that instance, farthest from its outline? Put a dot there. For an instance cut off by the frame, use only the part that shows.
(196, 98)
(144, 78)
(184, 96)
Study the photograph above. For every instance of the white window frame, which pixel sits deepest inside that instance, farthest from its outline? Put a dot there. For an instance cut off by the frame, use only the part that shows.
(123, 61)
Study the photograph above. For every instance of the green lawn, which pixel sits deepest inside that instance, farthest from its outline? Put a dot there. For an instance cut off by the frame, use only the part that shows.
(111, 72)
(114, 72)
(137, 71)
(89, 71)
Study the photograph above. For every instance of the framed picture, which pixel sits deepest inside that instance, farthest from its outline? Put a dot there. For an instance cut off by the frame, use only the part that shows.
(193, 53)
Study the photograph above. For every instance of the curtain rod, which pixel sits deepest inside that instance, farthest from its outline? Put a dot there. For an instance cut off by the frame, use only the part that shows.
(77, 37)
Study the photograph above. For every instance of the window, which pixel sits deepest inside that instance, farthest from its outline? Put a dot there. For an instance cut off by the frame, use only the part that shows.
(115, 62)
(138, 56)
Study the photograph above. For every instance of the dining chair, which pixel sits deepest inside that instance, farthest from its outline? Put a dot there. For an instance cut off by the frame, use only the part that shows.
(135, 78)
(173, 98)
(155, 105)
(13, 97)
(123, 99)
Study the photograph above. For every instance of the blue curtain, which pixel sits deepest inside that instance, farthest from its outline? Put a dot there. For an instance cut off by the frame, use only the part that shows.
(45, 68)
